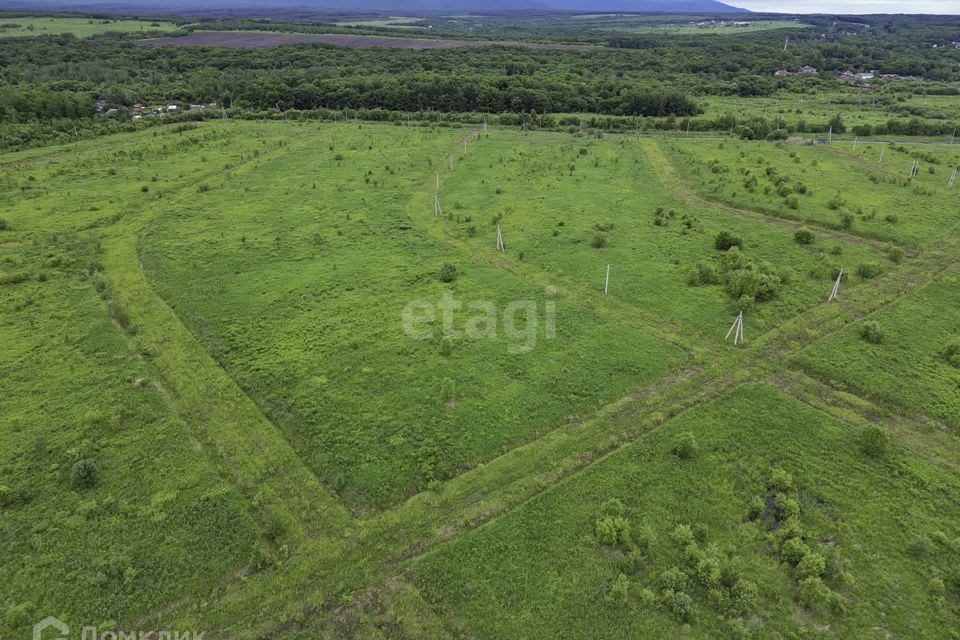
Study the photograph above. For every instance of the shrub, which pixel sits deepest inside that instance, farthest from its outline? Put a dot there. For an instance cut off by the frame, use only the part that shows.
(793, 202)
(704, 273)
(793, 550)
(870, 331)
(11, 497)
(84, 473)
(633, 561)
(612, 530)
(647, 597)
(448, 272)
(811, 565)
(869, 270)
(895, 254)
(725, 240)
(4, 225)
(846, 220)
(682, 535)
(874, 441)
(952, 354)
(804, 236)
(599, 241)
(756, 508)
(679, 604)
(708, 572)
(620, 589)
(685, 446)
(781, 480)
(814, 594)
(787, 506)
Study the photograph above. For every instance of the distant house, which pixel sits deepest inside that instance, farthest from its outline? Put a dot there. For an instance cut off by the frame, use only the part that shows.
(172, 107)
(807, 69)
(866, 75)
(956, 45)
(196, 107)
(110, 112)
(137, 108)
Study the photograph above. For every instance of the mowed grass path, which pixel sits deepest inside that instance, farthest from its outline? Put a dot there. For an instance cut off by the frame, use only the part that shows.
(156, 522)
(298, 288)
(558, 197)
(541, 572)
(909, 367)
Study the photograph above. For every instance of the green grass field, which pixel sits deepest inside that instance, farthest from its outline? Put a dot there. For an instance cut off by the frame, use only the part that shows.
(834, 186)
(79, 27)
(873, 521)
(216, 416)
(557, 197)
(909, 367)
(301, 301)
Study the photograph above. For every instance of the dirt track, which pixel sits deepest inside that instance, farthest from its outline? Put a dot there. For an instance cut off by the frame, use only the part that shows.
(255, 40)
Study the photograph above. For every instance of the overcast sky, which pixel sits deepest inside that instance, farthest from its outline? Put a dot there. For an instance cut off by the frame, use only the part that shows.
(949, 7)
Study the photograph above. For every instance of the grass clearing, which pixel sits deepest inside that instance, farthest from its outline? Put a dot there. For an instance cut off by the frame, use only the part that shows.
(569, 206)
(833, 186)
(20, 27)
(910, 365)
(874, 521)
(302, 303)
(97, 526)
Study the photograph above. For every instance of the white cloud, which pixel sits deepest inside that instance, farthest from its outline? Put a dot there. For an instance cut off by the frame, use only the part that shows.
(946, 7)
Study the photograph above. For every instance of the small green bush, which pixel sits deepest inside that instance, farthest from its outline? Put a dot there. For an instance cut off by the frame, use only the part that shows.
(793, 550)
(4, 225)
(871, 332)
(612, 530)
(804, 236)
(11, 497)
(780, 480)
(682, 535)
(685, 446)
(679, 604)
(951, 354)
(448, 272)
(725, 240)
(814, 594)
(620, 589)
(874, 441)
(599, 241)
(869, 270)
(811, 565)
(84, 473)
(895, 254)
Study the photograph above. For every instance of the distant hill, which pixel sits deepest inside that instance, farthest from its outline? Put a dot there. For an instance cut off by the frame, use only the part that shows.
(398, 7)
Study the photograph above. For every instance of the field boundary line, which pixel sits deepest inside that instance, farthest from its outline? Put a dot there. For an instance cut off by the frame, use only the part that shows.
(233, 429)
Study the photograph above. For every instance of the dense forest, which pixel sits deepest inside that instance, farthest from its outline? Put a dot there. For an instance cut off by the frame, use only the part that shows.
(47, 80)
